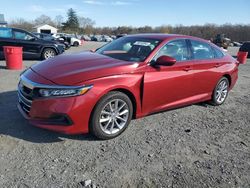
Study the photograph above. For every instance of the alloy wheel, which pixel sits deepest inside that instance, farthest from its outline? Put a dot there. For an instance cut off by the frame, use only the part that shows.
(221, 91)
(49, 54)
(114, 116)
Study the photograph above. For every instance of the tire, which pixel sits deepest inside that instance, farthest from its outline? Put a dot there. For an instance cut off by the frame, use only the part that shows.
(104, 118)
(48, 53)
(220, 92)
(76, 44)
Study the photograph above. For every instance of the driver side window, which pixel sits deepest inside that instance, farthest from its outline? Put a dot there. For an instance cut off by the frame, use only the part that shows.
(177, 49)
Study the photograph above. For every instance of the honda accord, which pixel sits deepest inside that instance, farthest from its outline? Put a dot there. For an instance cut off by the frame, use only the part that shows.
(131, 77)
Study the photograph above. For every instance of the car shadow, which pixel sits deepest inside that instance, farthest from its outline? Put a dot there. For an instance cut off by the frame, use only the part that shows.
(13, 124)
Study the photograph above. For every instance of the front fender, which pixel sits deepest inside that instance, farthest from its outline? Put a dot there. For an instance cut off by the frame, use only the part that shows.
(133, 83)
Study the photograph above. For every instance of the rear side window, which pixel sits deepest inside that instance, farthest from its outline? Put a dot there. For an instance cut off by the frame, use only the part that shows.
(218, 54)
(201, 50)
(5, 33)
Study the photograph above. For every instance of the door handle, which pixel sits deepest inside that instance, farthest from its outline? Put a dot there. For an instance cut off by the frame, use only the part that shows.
(187, 68)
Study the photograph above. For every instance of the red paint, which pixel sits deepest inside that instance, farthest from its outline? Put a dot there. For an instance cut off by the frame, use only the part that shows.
(153, 89)
(14, 57)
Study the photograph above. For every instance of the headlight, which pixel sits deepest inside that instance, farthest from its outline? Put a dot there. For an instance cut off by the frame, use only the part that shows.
(63, 92)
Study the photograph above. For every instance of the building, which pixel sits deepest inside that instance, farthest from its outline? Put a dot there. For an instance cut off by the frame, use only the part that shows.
(45, 28)
(3, 23)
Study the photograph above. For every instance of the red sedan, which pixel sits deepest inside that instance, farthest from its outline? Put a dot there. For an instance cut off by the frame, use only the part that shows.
(131, 77)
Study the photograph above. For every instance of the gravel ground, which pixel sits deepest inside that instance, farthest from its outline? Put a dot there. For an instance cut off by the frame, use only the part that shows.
(195, 146)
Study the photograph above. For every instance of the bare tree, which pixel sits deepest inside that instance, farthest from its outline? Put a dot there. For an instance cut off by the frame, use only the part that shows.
(58, 21)
(22, 24)
(85, 22)
(237, 32)
(43, 19)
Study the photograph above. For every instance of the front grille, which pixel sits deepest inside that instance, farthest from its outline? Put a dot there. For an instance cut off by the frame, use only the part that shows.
(25, 93)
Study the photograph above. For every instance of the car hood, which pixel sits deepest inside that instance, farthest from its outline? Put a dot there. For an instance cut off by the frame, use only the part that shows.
(77, 68)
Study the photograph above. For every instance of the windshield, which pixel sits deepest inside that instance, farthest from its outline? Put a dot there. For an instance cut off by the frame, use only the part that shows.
(129, 48)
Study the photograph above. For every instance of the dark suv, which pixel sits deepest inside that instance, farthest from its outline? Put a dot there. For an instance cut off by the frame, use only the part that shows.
(33, 47)
(245, 48)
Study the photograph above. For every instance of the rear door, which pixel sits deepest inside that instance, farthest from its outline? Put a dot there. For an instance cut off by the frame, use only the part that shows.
(31, 45)
(206, 67)
(6, 39)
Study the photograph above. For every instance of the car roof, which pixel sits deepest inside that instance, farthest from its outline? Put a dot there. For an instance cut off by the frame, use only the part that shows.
(161, 36)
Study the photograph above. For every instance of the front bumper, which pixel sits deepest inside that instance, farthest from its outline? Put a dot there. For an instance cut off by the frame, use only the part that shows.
(69, 115)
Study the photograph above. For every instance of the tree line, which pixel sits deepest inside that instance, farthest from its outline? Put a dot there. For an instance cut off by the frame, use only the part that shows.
(83, 25)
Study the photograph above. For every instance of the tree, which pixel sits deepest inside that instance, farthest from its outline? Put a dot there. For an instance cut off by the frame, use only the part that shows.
(22, 24)
(43, 19)
(85, 22)
(58, 21)
(72, 23)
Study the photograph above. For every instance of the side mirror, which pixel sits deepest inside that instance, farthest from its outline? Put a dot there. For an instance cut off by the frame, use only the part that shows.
(165, 61)
(242, 57)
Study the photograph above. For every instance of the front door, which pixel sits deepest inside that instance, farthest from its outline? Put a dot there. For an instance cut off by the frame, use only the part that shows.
(168, 86)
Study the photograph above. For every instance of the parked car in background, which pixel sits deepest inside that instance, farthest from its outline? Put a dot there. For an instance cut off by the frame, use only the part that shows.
(49, 37)
(97, 38)
(33, 47)
(245, 48)
(73, 41)
(85, 38)
(222, 41)
(113, 37)
(106, 38)
(131, 77)
(237, 44)
(121, 35)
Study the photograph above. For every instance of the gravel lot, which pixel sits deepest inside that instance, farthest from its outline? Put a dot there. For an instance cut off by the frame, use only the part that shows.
(195, 146)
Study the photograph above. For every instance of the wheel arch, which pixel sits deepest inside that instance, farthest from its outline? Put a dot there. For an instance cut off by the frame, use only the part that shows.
(122, 90)
(229, 78)
(46, 47)
(131, 97)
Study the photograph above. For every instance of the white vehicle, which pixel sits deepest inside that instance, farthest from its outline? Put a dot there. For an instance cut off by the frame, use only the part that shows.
(106, 38)
(69, 38)
(74, 41)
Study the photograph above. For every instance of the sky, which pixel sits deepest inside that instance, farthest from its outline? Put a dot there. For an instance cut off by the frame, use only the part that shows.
(135, 12)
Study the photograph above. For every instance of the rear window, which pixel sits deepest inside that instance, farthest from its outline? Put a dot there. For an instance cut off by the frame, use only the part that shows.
(5, 33)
